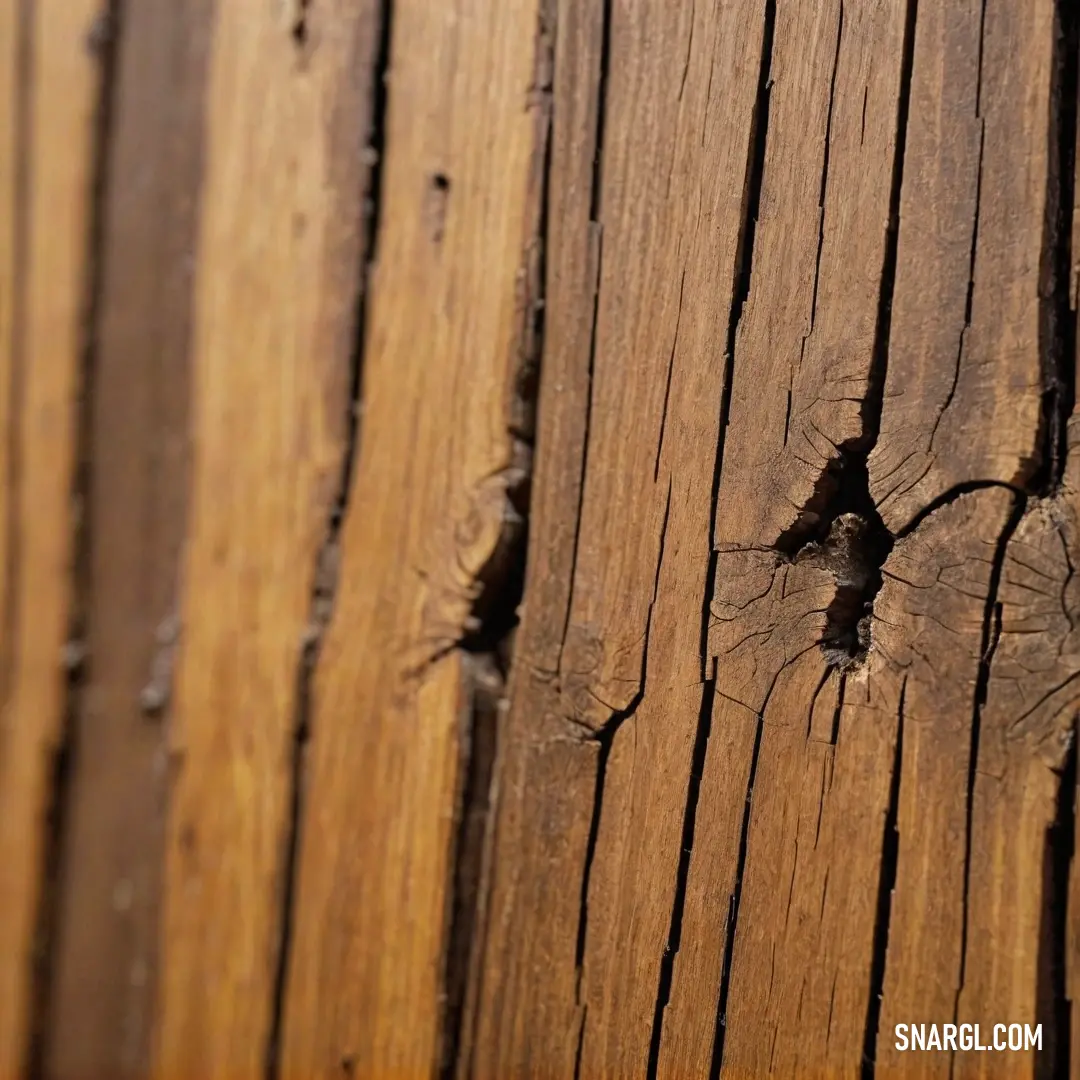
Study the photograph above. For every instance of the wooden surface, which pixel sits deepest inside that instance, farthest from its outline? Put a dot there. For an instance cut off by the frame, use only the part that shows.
(539, 537)
(48, 98)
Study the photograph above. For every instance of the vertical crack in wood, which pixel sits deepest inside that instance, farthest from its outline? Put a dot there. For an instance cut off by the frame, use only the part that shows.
(103, 45)
(991, 634)
(604, 743)
(969, 299)
(1057, 319)
(325, 575)
(733, 909)
(299, 29)
(890, 848)
(595, 218)
(834, 732)
(744, 257)
(667, 964)
(824, 177)
(601, 115)
(580, 1044)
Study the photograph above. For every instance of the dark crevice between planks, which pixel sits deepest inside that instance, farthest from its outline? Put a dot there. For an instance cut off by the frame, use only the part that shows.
(744, 256)
(733, 911)
(840, 528)
(969, 299)
(1053, 1008)
(890, 851)
(102, 42)
(603, 741)
(1057, 320)
(667, 964)
(991, 634)
(325, 578)
(487, 641)
(667, 384)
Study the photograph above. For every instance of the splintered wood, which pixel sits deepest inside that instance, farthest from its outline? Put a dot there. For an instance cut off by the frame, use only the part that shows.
(575, 574)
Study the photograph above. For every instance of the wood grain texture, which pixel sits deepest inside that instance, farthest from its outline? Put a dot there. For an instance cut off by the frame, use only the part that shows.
(504, 980)
(815, 745)
(963, 396)
(276, 274)
(606, 698)
(1015, 947)
(48, 97)
(106, 934)
(832, 860)
(744, 333)
(964, 936)
(429, 515)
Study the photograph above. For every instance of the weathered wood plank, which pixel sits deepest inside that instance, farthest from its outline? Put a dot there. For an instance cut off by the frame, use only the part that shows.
(804, 750)
(962, 404)
(48, 95)
(429, 516)
(606, 702)
(504, 982)
(1014, 959)
(107, 925)
(278, 256)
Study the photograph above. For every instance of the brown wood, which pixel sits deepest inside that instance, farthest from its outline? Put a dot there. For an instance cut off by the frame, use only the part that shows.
(445, 336)
(48, 96)
(275, 281)
(106, 932)
(574, 537)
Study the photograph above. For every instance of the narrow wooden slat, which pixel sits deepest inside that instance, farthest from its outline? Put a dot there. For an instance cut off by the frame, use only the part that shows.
(437, 461)
(106, 945)
(48, 95)
(276, 273)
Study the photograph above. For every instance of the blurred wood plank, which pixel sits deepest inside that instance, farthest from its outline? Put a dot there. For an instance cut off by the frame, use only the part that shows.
(48, 98)
(106, 935)
(429, 520)
(276, 276)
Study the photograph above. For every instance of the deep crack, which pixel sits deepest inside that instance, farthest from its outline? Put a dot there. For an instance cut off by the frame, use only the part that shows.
(890, 851)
